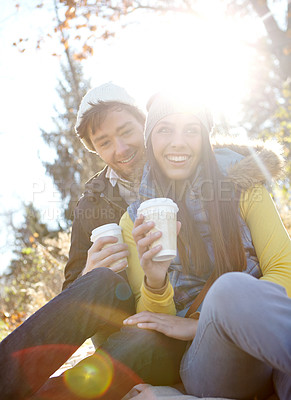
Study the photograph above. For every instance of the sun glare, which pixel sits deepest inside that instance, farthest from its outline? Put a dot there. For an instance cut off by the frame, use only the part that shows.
(207, 56)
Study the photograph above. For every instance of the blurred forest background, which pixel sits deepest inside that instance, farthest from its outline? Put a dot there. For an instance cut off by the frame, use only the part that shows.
(35, 273)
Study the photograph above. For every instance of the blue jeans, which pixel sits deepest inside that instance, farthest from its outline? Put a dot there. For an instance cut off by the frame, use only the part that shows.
(243, 341)
(97, 301)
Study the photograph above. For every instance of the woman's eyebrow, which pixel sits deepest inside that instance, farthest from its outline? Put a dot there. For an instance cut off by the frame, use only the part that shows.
(193, 124)
(164, 123)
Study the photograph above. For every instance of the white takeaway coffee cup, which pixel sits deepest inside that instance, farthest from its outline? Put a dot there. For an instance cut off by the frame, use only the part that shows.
(163, 212)
(109, 230)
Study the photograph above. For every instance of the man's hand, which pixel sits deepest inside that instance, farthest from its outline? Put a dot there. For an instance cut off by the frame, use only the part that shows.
(170, 325)
(102, 255)
(155, 271)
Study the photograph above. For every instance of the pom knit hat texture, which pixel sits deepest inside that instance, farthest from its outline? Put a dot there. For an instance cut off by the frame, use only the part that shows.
(160, 106)
(106, 92)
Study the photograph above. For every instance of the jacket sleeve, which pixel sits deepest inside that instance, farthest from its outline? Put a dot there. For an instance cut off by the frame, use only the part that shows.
(80, 244)
(270, 238)
(144, 298)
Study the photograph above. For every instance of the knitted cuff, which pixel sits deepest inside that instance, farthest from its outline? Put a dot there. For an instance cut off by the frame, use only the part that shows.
(157, 291)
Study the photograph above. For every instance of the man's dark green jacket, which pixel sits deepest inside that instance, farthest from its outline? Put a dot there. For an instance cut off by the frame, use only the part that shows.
(100, 204)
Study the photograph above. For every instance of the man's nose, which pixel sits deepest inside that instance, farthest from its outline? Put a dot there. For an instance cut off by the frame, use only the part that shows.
(121, 147)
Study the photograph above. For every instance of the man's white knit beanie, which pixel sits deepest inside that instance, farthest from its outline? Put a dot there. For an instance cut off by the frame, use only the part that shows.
(162, 105)
(106, 92)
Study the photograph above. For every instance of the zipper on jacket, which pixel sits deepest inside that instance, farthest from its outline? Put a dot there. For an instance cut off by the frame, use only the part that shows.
(111, 203)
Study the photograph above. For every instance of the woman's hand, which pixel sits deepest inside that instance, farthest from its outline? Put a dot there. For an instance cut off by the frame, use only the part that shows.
(170, 325)
(155, 271)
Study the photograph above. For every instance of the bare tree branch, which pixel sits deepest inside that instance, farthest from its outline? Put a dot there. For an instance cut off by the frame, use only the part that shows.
(281, 41)
(68, 55)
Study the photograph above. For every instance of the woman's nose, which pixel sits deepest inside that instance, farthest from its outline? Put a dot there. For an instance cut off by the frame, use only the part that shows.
(178, 139)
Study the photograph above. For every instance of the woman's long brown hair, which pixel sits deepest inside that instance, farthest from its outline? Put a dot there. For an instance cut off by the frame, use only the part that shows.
(221, 204)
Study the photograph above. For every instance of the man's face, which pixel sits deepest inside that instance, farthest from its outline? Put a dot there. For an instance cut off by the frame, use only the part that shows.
(119, 142)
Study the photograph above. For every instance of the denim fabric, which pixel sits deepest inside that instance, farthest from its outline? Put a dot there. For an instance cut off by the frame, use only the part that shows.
(153, 356)
(100, 300)
(137, 356)
(38, 347)
(243, 338)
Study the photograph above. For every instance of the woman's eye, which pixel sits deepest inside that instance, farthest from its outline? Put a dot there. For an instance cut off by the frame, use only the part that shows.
(192, 131)
(164, 129)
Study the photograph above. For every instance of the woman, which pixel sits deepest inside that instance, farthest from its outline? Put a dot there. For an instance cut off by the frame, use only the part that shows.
(230, 232)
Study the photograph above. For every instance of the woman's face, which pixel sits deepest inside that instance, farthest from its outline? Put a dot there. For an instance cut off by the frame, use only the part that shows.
(177, 143)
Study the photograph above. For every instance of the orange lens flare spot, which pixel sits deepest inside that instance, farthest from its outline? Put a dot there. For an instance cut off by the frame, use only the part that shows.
(91, 377)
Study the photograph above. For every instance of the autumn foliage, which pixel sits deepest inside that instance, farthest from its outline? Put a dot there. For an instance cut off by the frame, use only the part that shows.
(36, 278)
(80, 23)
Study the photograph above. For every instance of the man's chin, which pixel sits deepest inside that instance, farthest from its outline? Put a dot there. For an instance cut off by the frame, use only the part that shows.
(131, 174)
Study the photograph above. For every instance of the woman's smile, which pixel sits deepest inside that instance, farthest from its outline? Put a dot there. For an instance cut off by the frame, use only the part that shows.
(178, 159)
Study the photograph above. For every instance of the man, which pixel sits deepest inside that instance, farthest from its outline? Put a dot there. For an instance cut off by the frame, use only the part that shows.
(109, 124)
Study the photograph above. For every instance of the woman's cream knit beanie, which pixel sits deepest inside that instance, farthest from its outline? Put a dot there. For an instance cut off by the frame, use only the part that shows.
(161, 105)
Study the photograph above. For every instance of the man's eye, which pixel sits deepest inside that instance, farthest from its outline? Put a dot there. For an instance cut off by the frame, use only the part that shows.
(104, 144)
(125, 133)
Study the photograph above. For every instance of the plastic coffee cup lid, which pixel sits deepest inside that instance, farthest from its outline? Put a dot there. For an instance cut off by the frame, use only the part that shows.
(158, 202)
(105, 228)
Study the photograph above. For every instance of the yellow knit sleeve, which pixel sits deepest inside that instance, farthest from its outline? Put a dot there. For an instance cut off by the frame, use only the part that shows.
(144, 298)
(270, 238)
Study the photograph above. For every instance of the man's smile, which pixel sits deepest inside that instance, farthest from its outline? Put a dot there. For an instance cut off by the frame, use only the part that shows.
(128, 159)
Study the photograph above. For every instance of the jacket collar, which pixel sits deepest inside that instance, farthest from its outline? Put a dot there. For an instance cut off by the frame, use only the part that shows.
(99, 187)
(260, 162)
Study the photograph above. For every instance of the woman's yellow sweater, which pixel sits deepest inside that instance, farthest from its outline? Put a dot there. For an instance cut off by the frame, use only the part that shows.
(270, 238)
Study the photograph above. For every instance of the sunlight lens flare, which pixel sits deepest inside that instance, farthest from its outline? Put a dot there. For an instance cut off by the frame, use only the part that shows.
(107, 314)
(92, 377)
(51, 355)
(210, 55)
(122, 291)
